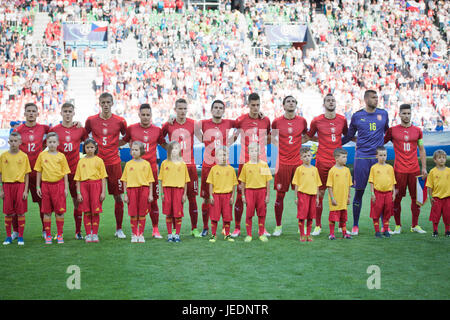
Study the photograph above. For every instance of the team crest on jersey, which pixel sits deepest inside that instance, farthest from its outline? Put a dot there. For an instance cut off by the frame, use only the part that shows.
(145, 139)
(290, 130)
(333, 130)
(31, 137)
(105, 131)
(379, 117)
(406, 138)
(68, 138)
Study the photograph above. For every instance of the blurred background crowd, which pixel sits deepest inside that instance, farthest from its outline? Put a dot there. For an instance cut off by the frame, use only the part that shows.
(400, 48)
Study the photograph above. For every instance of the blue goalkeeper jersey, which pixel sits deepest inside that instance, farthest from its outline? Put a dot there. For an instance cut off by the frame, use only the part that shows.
(370, 128)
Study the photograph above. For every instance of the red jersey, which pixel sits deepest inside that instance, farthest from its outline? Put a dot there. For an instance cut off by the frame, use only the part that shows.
(32, 140)
(184, 134)
(329, 132)
(214, 135)
(405, 147)
(150, 137)
(106, 133)
(254, 130)
(69, 143)
(289, 138)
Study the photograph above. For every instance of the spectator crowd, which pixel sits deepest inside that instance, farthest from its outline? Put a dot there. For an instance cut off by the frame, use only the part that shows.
(225, 54)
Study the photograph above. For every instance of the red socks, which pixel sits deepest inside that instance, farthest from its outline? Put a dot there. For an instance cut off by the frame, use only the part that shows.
(95, 223)
(343, 226)
(205, 214)
(137, 225)
(42, 219)
(141, 224)
(134, 226)
(178, 225)
(193, 212)
(301, 227)
(21, 226)
(47, 225)
(308, 227)
(78, 217)
(154, 214)
(319, 209)
(226, 226)
(169, 224)
(376, 224)
(214, 227)
(415, 214)
(279, 206)
(118, 212)
(8, 225)
(238, 209)
(331, 223)
(88, 223)
(59, 224)
(248, 225)
(15, 223)
(261, 225)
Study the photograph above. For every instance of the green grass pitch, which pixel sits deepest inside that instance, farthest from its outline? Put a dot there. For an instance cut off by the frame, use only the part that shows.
(411, 265)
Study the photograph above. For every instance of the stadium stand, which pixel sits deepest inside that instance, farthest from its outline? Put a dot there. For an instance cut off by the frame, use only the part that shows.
(398, 47)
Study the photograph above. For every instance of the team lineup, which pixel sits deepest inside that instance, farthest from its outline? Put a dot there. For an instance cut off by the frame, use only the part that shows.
(54, 173)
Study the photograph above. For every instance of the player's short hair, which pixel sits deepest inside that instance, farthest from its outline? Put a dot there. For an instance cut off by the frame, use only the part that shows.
(170, 146)
(253, 97)
(67, 105)
(141, 146)
(90, 141)
(339, 151)
(304, 150)
(218, 101)
(253, 144)
(221, 148)
(439, 152)
(327, 95)
(145, 106)
(105, 95)
(381, 148)
(369, 91)
(285, 98)
(52, 135)
(30, 104)
(181, 100)
(405, 106)
(15, 134)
